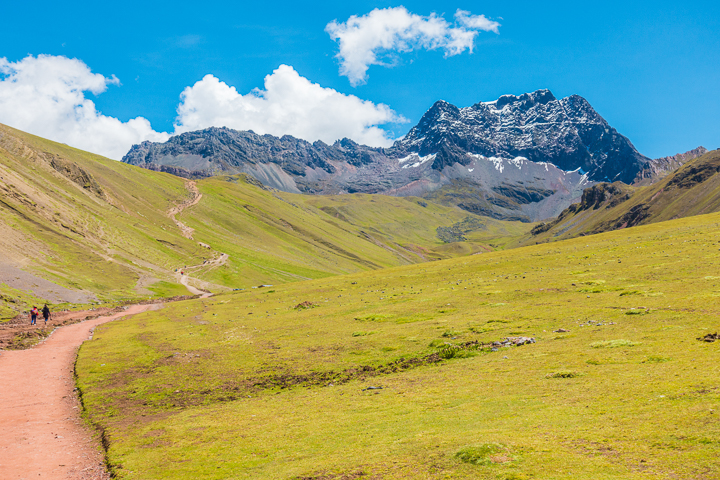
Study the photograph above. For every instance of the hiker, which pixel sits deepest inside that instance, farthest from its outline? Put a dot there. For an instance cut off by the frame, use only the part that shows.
(33, 315)
(46, 313)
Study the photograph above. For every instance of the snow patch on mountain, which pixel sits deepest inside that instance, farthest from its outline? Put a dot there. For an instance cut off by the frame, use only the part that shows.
(416, 159)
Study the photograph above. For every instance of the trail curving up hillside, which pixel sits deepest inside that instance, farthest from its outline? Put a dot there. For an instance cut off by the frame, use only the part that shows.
(191, 186)
(184, 279)
(41, 432)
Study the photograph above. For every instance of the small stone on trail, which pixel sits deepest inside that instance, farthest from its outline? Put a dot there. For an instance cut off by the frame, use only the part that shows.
(561, 330)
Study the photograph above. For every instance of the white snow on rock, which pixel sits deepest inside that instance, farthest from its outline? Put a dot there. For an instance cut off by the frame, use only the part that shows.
(416, 159)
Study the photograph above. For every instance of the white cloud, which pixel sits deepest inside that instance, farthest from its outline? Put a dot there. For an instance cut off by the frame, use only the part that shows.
(45, 95)
(289, 104)
(375, 38)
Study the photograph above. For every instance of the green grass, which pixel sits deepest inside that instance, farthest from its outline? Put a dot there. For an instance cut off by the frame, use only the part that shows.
(614, 344)
(167, 289)
(244, 385)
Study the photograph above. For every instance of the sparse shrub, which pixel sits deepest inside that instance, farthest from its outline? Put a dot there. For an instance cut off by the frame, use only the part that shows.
(614, 344)
(591, 290)
(449, 333)
(373, 317)
(653, 359)
(480, 329)
(436, 343)
(449, 351)
(563, 374)
(636, 312)
(631, 292)
(517, 476)
(303, 305)
(480, 454)
(359, 334)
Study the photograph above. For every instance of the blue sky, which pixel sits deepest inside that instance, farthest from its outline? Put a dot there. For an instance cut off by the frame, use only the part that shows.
(652, 69)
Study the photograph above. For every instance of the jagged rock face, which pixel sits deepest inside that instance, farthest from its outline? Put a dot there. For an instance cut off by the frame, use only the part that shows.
(274, 161)
(659, 168)
(568, 133)
(521, 158)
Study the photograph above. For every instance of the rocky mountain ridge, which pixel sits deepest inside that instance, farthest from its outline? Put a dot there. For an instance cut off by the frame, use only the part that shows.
(659, 168)
(521, 157)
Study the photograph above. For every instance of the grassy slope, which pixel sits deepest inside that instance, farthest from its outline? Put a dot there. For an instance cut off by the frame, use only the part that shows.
(77, 237)
(681, 194)
(108, 233)
(196, 389)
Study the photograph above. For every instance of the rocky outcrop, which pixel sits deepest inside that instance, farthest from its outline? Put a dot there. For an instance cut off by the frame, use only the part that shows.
(657, 169)
(73, 172)
(695, 174)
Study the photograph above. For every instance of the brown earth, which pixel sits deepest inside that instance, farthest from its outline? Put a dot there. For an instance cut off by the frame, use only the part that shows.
(41, 432)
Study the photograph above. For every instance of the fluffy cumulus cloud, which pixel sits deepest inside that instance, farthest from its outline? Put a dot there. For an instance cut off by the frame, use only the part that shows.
(289, 104)
(45, 95)
(376, 38)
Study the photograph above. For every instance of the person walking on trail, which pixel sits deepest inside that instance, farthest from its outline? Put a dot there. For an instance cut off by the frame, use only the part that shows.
(33, 315)
(46, 313)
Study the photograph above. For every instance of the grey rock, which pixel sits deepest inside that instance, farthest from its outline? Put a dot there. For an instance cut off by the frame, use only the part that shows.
(523, 158)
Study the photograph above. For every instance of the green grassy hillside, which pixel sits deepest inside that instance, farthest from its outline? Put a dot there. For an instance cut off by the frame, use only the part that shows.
(102, 228)
(392, 374)
(693, 189)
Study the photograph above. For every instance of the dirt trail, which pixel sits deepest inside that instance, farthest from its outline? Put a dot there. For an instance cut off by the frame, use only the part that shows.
(209, 264)
(41, 432)
(195, 291)
(177, 209)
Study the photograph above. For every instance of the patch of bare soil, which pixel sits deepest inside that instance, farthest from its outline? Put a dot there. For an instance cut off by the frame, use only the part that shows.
(22, 280)
(41, 432)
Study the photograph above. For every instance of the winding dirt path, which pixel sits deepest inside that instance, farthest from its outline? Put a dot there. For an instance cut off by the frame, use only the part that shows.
(41, 433)
(177, 209)
(184, 279)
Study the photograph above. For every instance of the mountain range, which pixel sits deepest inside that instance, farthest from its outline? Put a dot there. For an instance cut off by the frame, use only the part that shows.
(521, 157)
